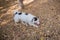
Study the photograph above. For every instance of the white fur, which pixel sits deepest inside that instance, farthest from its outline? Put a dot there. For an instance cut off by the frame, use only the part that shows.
(27, 19)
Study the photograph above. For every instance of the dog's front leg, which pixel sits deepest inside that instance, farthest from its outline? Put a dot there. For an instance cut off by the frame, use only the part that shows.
(35, 25)
(24, 23)
(31, 24)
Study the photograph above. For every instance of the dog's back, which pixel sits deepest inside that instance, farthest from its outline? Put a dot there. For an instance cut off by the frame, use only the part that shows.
(23, 16)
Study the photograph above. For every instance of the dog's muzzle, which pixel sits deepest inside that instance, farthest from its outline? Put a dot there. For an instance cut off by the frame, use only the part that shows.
(37, 24)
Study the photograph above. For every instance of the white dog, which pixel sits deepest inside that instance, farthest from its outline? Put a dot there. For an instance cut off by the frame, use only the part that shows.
(27, 19)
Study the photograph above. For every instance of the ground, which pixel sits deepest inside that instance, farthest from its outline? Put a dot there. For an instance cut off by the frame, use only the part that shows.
(47, 10)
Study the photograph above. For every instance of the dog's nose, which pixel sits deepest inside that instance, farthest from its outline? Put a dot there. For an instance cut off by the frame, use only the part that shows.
(38, 23)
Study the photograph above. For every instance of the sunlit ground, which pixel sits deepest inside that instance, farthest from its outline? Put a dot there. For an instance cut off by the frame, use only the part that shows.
(47, 10)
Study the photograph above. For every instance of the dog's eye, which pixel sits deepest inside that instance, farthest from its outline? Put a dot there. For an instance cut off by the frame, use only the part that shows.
(20, 13)
(35, 19)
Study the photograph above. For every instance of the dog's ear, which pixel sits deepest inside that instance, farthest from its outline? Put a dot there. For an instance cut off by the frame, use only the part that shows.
(35, 18)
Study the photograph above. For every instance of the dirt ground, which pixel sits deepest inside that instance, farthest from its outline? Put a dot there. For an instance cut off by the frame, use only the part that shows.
(47, 10)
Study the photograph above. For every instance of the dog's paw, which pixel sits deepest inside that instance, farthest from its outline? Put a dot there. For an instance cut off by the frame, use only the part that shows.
(35, 25)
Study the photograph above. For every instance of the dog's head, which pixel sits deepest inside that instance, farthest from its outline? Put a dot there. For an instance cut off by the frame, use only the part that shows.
(36, 21)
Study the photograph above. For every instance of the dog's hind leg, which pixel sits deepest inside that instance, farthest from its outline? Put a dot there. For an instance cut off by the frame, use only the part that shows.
(16, 21)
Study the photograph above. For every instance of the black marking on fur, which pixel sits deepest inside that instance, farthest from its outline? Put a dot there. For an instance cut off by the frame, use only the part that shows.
(26, 13)
(19, 13)
(15, 13)
(35, 18)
